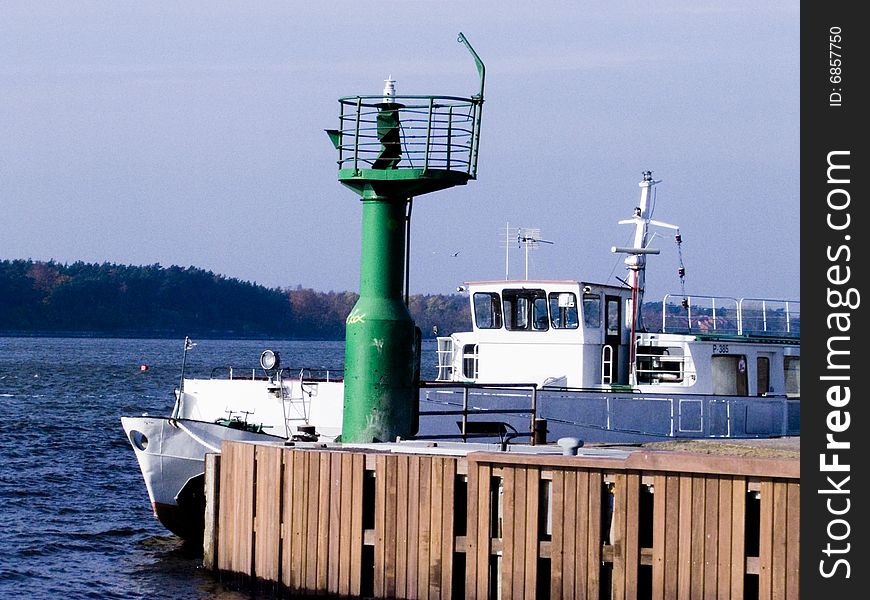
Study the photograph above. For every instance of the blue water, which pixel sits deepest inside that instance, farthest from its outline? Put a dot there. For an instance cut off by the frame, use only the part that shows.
(75, 521)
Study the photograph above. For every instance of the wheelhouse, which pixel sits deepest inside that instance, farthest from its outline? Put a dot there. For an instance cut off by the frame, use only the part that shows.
(575, 334)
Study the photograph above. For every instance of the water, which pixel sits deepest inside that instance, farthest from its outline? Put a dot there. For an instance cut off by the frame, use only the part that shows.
(76, 521)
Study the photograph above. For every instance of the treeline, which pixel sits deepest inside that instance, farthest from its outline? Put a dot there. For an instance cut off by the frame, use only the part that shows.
(120, 300)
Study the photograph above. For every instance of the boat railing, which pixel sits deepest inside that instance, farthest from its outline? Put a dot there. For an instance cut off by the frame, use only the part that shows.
(730, 316)
(462, 399)
(306, 373)
(762, 316)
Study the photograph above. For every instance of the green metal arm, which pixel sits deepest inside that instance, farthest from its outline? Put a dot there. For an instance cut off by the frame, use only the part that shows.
(481, 69)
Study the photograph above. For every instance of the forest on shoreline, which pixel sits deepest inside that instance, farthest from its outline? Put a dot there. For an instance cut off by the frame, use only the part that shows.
(88, 299)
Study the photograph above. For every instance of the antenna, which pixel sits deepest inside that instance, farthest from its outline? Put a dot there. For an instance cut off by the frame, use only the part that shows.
(530, 238)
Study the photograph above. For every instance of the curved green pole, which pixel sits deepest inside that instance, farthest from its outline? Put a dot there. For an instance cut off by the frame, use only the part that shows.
(478, 110)
(481, 69)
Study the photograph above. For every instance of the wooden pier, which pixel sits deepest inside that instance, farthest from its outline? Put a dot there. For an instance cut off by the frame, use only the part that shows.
(394, 521)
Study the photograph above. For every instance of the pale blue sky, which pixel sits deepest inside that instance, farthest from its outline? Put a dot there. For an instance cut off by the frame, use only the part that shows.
(191, 133)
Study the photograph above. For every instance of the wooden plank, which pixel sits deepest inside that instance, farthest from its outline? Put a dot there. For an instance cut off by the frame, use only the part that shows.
(476, 518)
(659, 548)
(413, 567)
(723, 526)
(619, 539)
(765, 542)
(684, 544)
(323, 504)
(300, 516)
(345, 523)
(223, 518)
(484, 539)
(356, 530)
(390, 510)
(380, 524)
(779, 540)
(402, 533)
(738, 535)
(448, 540)
(311, 525)
(520, 532)
(267, 537)
(518, 542)
(239, 501)
(594, 535)
(224, 522)
(793, 541)
(672, 537)
(334, 539)
(580, 500)
(424, 524)
(689, 462)
(436, 526)
(642, 460)
(508, 533)
(533, 495)
(699, 498)
(287, 507)
(211, 490)
(631, 555)
(557, 553)
(575, 508)
(711, 536)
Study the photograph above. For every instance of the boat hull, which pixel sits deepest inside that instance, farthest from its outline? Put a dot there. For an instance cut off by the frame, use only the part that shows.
(171, 455)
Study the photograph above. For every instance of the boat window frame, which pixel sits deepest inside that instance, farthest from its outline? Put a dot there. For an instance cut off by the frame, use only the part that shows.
(521, 309)
(612, 310)
(592, 317)
(556, 311)
(495, 310)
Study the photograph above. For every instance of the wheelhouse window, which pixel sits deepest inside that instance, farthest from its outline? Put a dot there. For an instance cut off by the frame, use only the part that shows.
(729, 374)
(592, 310)
(563, 310)
(613, 316)
(487, 310)
(525, 310)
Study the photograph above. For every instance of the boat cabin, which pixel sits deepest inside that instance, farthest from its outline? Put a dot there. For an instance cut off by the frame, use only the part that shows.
(575, 334)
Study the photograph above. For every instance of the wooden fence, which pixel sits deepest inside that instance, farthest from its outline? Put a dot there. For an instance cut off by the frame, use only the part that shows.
(663, 525)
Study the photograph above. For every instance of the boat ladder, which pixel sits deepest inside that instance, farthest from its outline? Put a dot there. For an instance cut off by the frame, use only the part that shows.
(296, 399)
(606, 364)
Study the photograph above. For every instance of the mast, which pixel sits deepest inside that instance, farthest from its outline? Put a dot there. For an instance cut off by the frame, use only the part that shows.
(636, 260)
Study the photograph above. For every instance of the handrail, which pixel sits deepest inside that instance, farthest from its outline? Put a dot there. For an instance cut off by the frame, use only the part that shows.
(465, 411)
(314, 374)
(725, 314)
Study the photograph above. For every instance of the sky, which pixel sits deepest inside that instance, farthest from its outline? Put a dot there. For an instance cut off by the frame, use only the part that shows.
(192, 134)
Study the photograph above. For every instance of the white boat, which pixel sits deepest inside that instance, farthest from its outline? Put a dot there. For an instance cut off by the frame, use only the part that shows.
(560, 358)
(264, 406)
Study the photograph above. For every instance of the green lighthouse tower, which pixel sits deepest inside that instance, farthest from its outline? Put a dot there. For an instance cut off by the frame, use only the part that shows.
(392, 148)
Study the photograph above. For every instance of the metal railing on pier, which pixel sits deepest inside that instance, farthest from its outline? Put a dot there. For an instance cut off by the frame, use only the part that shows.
(457, 399)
